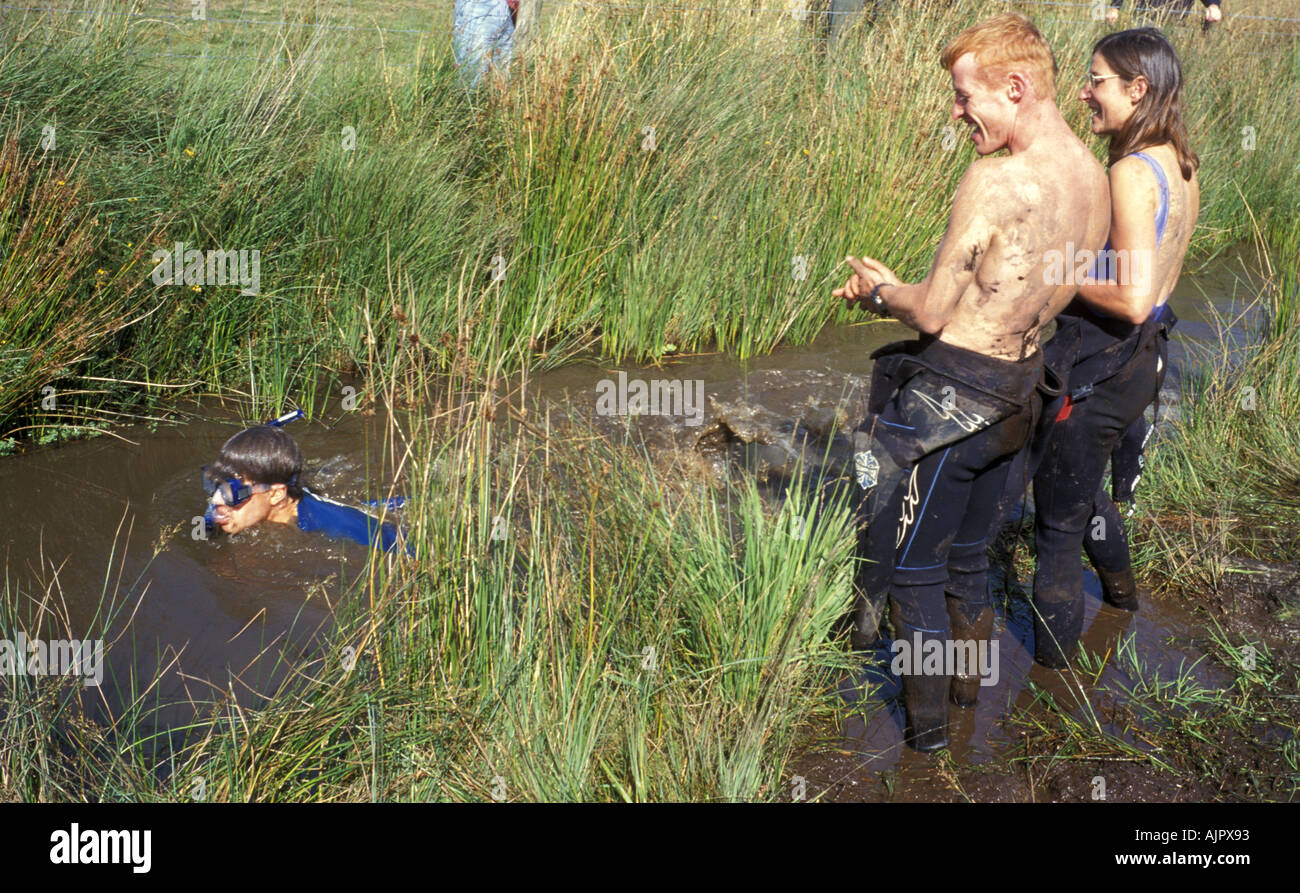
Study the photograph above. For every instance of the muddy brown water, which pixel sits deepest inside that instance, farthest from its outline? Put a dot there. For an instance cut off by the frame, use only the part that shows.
(759, 411)
(227, 615)
(224, 616)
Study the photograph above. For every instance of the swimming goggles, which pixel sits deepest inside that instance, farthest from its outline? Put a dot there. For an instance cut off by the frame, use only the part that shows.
(234, 492)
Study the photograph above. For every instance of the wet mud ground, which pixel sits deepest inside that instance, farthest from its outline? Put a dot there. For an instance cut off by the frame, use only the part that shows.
(1138, 701)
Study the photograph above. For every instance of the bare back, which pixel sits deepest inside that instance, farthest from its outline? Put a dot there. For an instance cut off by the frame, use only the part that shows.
(1018, 223)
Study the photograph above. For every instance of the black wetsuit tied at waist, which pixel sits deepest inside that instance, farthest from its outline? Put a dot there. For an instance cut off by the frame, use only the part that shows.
(1088, 348)
(1086, 351)
(940, 419)
(1098, 423)
(966, 389)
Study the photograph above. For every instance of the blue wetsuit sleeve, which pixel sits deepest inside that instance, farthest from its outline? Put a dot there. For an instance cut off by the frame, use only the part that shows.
(337, 520)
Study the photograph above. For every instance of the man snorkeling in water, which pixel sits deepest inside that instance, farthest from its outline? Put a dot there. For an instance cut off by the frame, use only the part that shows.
(255, 479)
(949, 410)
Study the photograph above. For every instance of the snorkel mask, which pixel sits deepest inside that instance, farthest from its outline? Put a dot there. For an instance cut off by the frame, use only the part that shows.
(234, 492)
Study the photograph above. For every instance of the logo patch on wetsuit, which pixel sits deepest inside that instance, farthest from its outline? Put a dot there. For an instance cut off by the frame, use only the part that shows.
(866, 468)
(911, 499)
(945, 409)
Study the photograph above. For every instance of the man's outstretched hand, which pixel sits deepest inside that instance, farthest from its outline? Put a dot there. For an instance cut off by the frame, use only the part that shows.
(867, 274)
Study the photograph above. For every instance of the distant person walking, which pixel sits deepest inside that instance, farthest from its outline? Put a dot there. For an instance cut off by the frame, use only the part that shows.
(482, 35)
(1213, 10)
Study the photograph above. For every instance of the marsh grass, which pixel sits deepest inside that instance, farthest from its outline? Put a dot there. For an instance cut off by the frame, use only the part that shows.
(545, 206)
(62, 300)
(1225, 479)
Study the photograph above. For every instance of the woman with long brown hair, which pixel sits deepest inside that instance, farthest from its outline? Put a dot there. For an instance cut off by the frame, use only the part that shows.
(1113, 337)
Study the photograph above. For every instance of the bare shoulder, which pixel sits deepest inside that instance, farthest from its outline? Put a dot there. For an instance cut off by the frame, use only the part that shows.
(1130, 166)
(1133, 183)
(983, 173)
(1002, 186)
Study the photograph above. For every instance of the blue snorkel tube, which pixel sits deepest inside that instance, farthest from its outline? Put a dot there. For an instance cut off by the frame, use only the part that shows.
(209, 522)
(285, 419)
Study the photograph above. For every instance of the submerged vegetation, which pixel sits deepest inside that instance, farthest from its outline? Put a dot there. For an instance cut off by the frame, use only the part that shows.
(579, 622)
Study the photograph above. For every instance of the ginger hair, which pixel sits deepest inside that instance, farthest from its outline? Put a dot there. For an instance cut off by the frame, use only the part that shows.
(1006, 43)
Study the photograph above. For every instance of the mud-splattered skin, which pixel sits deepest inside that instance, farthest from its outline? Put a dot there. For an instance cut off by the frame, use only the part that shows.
(995, 280)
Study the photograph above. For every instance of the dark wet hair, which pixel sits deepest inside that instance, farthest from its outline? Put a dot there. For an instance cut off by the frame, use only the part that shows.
(261, 455)
(1158, 116)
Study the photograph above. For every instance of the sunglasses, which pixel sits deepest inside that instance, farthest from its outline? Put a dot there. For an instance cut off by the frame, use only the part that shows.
(234, 492)
(1092, 80)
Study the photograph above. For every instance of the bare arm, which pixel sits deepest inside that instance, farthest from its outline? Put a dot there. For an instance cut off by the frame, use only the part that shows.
(1128, 291)
(928, 306)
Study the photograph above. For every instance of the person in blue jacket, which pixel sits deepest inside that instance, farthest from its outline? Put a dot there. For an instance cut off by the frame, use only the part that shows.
(255, 479)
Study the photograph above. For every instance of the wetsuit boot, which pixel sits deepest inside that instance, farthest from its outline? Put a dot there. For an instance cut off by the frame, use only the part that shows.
(1119, 589)
(1058, 621)
(970, 615)
(925, 698)
(925, 695)
(966, 686)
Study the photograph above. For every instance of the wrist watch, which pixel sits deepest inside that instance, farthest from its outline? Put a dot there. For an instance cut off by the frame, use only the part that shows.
(875, 303)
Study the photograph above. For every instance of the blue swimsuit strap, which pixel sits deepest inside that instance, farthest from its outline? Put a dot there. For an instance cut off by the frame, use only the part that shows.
(1162, 212)
(1162, 217)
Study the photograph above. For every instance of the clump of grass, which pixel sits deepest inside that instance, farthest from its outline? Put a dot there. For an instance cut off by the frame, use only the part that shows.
(58, 307)
(1226, 479)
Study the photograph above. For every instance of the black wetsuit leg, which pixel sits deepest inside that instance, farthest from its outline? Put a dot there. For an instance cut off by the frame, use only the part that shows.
(926, 398)
(940, 567)
(877, 511)
(1023, 467)
(1065, 495)
(1109, 554)
(1106, 540)
(946, 507)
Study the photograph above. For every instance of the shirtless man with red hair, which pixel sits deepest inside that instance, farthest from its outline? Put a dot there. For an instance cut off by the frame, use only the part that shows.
(952, 407)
